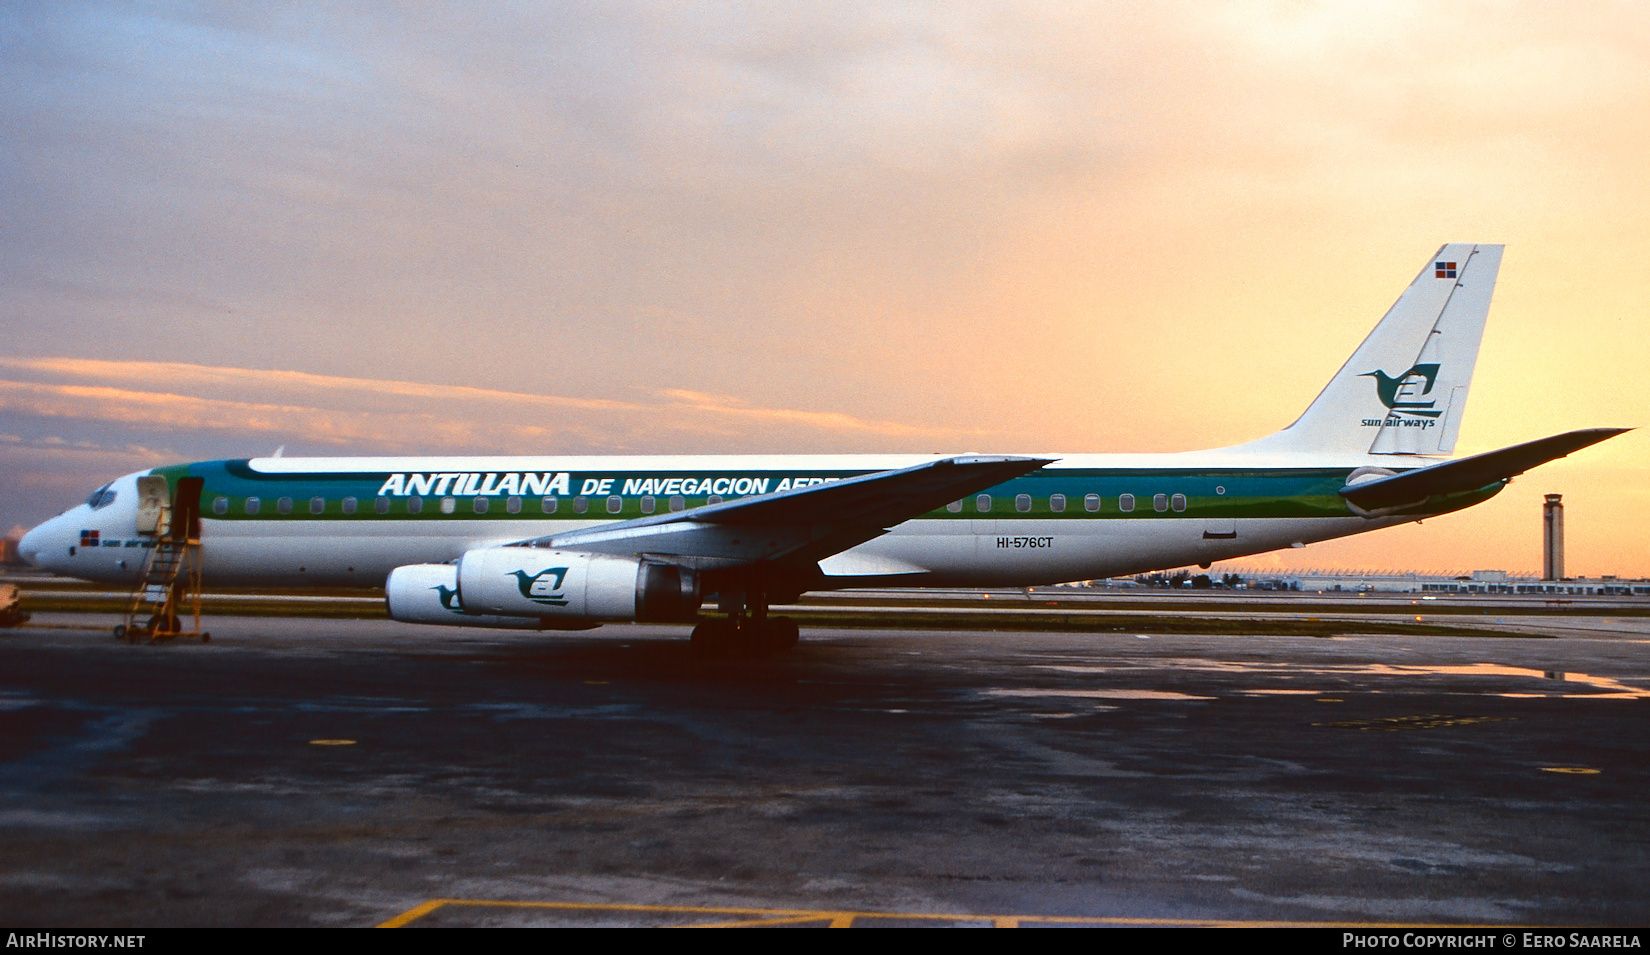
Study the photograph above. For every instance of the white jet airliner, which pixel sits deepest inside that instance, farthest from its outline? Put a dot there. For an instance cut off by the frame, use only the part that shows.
(553, 542)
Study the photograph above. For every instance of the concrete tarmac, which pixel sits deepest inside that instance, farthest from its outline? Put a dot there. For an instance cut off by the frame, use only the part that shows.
(337, 772)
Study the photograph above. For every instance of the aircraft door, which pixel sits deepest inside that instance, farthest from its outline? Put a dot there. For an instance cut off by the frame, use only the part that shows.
(153, 504)
(186, 510)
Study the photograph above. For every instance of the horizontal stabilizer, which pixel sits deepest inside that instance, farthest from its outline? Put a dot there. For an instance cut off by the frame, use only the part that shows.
(1472, 473)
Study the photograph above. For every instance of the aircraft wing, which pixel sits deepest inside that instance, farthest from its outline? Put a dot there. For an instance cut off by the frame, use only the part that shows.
(1471, 473)
(806, 524)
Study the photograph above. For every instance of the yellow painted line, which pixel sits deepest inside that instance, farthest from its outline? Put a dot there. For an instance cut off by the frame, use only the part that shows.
(416, 912)
(1571, 770)
(835, 918)
(332, 742)
(764, 922)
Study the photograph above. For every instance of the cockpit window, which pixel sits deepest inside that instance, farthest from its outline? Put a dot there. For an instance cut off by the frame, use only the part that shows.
(101, 498)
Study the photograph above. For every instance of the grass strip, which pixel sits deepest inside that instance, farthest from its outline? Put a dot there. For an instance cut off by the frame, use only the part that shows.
(1237, 605)
(1143, 623)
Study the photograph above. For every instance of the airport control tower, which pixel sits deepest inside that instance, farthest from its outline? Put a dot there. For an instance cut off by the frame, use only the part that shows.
(1552, 538)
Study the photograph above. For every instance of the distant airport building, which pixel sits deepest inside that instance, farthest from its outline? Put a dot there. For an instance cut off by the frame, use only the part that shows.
(1552, 538)
(1411, 582)
(1337, 580)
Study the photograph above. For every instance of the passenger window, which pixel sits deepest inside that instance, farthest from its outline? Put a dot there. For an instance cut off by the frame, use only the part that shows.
(317, 505)
(415, 505)
(284, 505)
(220, 505)
(615, 503)
(382, 505)
(982, 503)
(349, 505)
(1178, 502)
(714, 499)
(1022, 503)
(678, 502)
(954, 507)
(1160, 502)
(1091, 502)
(252, 505)
(648, 504)
(479, 505)
(581, 504)
(449, 504)
(1057, 503)
(512, 504)
(548, 505)
(1125, 502)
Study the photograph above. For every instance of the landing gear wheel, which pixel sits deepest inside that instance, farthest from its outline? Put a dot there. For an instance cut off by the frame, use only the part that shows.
(713, 639)
(783, 633)
(754, 639)
(744, 638)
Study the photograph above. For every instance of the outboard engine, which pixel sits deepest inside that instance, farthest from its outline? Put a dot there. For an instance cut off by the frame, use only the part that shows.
(428, 593)
(522, 587)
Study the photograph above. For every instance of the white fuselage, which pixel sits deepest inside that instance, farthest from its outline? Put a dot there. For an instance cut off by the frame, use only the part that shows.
(1065, 522)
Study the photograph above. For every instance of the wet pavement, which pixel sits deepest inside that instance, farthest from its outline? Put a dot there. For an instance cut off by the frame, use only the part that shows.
(298, 772)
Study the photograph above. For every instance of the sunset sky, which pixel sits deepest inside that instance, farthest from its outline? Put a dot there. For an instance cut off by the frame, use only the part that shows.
(800, 227)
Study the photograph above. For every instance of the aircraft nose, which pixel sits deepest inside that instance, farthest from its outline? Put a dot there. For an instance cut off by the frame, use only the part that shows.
(29, 547)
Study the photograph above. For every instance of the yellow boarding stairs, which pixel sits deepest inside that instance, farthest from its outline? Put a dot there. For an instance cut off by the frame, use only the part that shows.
(168, 593)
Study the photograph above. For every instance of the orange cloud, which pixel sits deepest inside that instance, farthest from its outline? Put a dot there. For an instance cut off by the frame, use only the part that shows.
(457, 416)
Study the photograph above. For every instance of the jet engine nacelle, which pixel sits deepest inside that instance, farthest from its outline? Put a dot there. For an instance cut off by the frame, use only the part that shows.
(567, 585)
(428, 593)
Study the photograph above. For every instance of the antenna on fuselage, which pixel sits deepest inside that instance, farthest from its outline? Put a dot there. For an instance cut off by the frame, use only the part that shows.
(279, 451)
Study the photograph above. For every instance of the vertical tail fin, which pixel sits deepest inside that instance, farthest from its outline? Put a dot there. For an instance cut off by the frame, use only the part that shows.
(1404, 390)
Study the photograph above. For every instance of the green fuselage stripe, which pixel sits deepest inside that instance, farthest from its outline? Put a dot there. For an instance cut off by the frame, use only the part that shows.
(1207, 494)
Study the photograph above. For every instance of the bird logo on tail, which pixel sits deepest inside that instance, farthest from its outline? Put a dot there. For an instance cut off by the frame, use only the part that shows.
(1388, 387)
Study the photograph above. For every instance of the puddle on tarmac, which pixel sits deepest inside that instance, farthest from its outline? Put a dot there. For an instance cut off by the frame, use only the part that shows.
(1102, 694)
(1605, 688)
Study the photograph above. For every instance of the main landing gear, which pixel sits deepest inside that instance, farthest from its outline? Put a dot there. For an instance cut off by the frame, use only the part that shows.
(743, 637)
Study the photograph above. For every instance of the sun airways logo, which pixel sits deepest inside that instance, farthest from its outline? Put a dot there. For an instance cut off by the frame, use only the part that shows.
(543, 587)
(1393, 390)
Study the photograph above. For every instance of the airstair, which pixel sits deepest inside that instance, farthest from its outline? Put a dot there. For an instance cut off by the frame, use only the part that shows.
(168, 593)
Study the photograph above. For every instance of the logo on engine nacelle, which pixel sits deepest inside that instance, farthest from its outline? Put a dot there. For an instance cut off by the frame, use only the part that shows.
(449, 598)
(543, 587)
